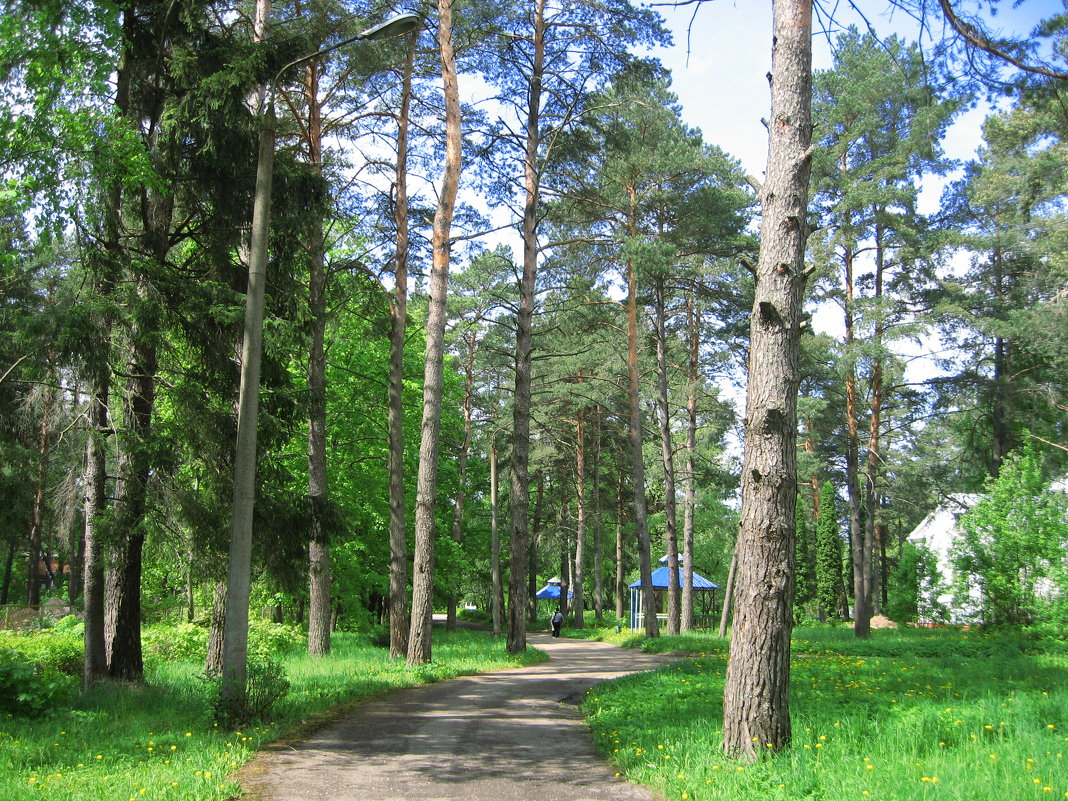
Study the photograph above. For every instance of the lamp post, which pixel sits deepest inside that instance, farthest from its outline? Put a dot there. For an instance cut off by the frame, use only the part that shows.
(235, 642)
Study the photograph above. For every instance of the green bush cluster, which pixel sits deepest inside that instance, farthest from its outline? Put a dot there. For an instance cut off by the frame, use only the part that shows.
(60, 648)
(189, 641)
(29, 688)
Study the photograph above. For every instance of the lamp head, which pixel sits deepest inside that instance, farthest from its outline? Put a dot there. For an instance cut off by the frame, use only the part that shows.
(394, 26)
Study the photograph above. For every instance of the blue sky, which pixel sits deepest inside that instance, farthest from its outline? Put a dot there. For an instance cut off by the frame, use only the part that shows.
(722, 85)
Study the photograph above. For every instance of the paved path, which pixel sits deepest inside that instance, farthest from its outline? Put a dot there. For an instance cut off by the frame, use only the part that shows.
(513, 735)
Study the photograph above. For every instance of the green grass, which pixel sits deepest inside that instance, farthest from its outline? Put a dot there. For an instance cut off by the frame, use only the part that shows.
(157, 741)
(905, 715)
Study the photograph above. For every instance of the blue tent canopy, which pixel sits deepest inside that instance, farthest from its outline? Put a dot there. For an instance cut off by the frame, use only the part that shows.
(551, 592)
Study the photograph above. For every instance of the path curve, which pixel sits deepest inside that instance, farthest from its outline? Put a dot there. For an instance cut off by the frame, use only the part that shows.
(512, 735)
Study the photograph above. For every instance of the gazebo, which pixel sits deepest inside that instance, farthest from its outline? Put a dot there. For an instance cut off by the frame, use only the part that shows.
(551, 591)
(704, 597)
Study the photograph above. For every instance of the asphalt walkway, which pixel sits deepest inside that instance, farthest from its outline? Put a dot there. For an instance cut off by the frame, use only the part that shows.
(513, 735)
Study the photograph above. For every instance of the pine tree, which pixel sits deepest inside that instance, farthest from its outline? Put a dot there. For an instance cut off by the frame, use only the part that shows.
(828, 555)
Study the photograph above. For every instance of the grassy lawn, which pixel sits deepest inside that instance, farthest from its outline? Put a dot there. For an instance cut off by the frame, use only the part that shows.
(907, 715)
(157, 741)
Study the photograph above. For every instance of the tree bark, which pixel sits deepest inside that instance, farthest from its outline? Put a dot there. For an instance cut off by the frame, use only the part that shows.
(419, 642)
(861, 612)
(579, 605)
(689, 492)
(238, 584)
(398, 538)
(598, 533)
(755, 701)
(319, 580)
(728, 593)
(44, 448)
(95, 663)
(671, 536)
(213, 665)
(465, 448)
(621, 581)
(519, 496)
(495, 546)
(535, 540)
(641, 517)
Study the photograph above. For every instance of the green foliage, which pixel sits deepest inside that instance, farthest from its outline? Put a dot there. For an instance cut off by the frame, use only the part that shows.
(914, 586)
(56, 648)
(266, 684)
(828, 554)
(805, 586)
(1009, 557)
(29, 687)
(189, 641)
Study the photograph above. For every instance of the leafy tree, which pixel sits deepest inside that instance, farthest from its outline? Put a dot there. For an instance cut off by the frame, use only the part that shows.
(915, 585)
(1012, 544)
(1005, 316)
(881, 127)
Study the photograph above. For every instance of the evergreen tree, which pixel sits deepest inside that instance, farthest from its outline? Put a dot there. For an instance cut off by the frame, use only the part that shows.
(829, 587)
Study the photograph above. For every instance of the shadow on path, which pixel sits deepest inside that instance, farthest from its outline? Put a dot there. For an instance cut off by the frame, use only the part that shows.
(503, 736)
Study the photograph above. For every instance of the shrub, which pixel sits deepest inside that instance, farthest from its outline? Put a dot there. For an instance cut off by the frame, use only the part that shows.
(266, 638)
(61, 649)
(265, 686)
(31, 688)
(175, 642)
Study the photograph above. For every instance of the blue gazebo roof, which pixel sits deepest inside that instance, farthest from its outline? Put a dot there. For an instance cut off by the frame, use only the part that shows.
(551, 591)
(660, 580)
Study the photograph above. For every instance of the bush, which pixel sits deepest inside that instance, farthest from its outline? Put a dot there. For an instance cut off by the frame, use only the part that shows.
(265, 686)
(61, 649)
(175, 642)
(31, 688)
(266, 638)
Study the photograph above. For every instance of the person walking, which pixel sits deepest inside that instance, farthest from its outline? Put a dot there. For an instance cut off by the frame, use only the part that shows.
(556, 621)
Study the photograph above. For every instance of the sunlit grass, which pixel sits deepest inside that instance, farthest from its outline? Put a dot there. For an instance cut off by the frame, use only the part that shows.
(981, 717)
(157, 741)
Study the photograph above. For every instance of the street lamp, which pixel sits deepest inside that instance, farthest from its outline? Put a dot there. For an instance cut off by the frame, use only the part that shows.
(235, 645)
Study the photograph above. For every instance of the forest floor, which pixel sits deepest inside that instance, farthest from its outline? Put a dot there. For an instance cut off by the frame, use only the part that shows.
(512, 735)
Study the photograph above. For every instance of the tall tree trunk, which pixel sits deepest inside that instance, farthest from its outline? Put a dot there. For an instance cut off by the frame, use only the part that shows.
(861, 612)
(495, 546)
(579, 605)
(319, 581)
(871, 485)
(728, 594)
(213, 665)
(690, 491)
(535, 540)
(621, 581)
(563, 524)
(398, 538)
(458, 507)
(233, 691)
(755, 699)
(95, 663)
(1000, 433)
(641, 517)
(419, 643)
(598, 532)
(122, 628)
(667, 453)
(519, 498)
(44, 448)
